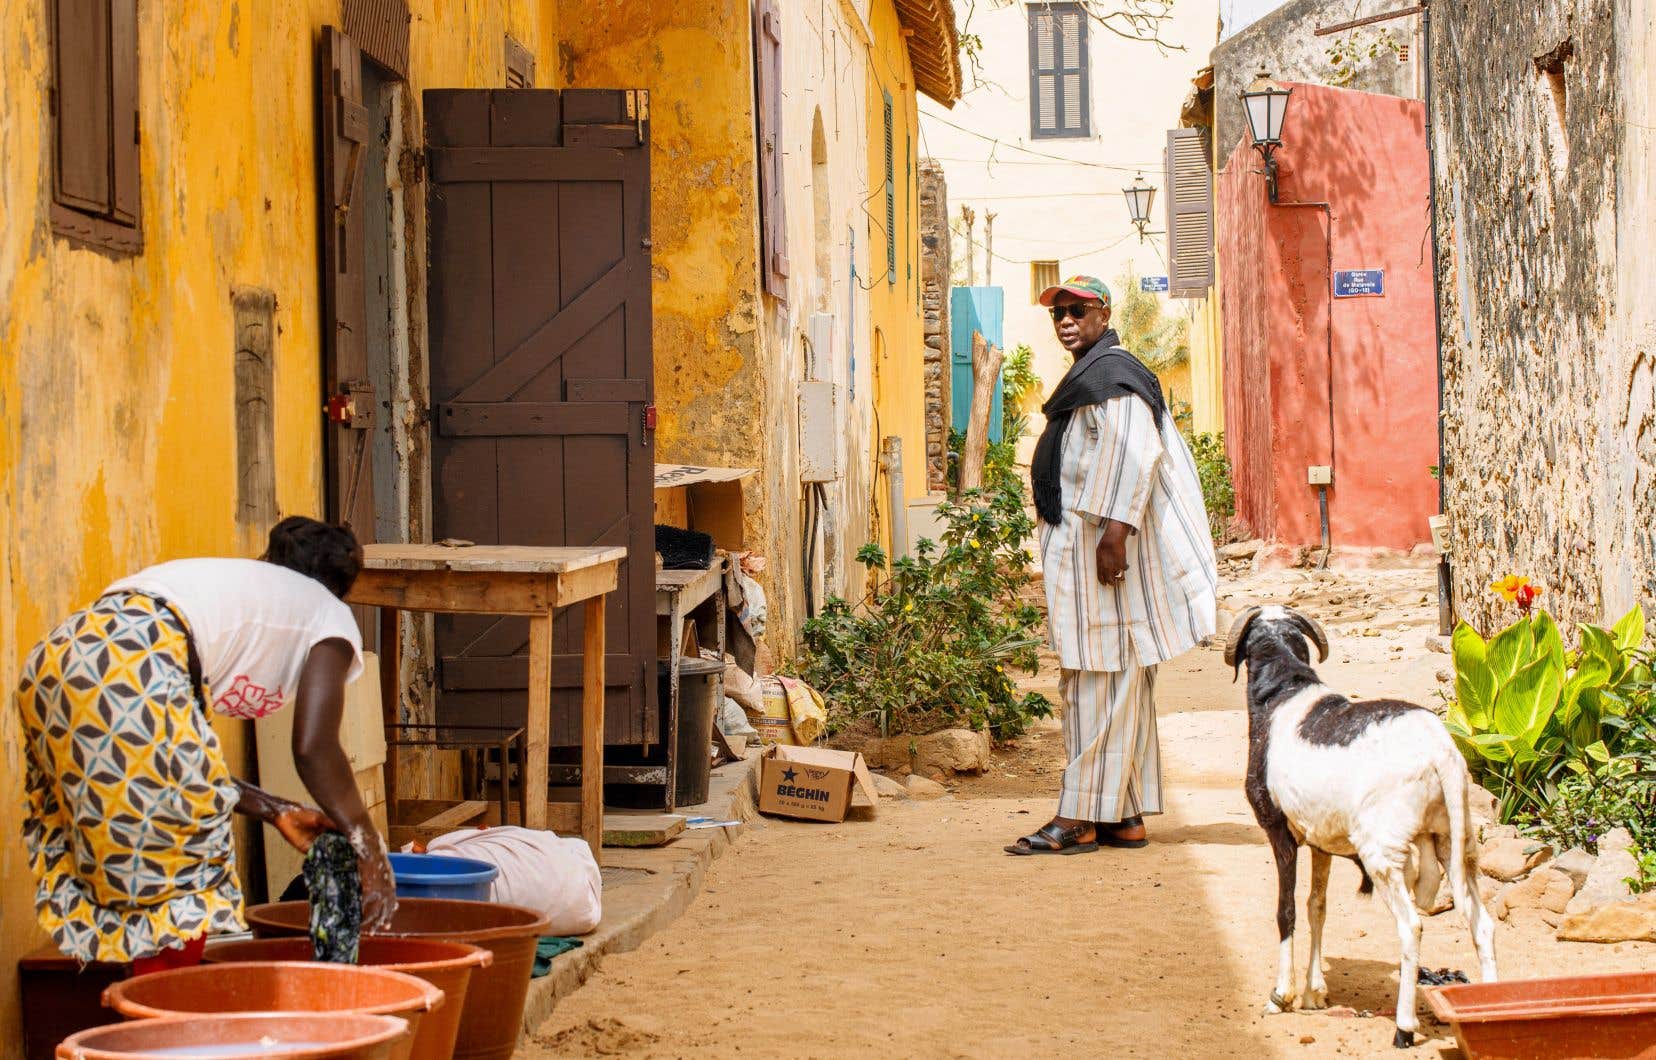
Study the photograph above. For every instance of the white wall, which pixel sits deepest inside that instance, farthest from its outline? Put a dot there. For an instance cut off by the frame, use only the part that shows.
(1064, 200)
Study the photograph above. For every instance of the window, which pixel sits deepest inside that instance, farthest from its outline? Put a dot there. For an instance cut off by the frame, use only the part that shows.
(1189, 214)
(1059, 91)
(891, 198)
(95, 123)
(773, 232)
(1042, 274)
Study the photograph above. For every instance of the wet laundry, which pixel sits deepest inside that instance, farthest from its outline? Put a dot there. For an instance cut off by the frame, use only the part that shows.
(335, 891)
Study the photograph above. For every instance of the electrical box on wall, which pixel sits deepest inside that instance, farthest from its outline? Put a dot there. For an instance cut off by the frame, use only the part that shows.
(1322, 475)
(819, 432)
(820, 332)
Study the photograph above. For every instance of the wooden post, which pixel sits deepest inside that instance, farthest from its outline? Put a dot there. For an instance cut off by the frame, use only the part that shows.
(970, 217)
(986, 366)
(537, 726)
(592, 727)
(988, 250)
(390, 661)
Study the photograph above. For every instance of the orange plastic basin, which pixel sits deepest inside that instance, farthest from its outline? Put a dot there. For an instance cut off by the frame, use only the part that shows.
(448, 966)
(278, 986)
(292, 1036)
(493, 1014)
(1599, 1016)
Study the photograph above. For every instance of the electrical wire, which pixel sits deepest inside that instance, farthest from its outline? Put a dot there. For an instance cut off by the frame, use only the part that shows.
(999, 143)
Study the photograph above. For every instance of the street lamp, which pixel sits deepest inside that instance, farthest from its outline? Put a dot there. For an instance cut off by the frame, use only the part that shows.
(1139, 197)
(1266, 105)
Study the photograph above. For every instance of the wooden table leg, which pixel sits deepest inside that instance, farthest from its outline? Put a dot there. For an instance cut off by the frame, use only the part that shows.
(390, 700)
(537, 727)
(592, 727)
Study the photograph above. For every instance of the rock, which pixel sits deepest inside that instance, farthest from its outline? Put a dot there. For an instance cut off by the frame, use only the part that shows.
(1577, 864)
(1544, 889)
(1620, 922)
(889, 787)
(1241, 550)
(1616, 839)
(1437, 645)
(1507, 859)
(938, 753)
(1483, 805)
(920, 788)
(1606, 880)
(1488, 890)
(1497, 831)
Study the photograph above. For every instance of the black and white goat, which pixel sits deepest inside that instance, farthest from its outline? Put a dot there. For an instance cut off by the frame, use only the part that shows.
(1379, 782)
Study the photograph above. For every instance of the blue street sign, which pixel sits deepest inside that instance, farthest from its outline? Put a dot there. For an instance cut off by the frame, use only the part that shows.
(1154, 284)
(1357, 283)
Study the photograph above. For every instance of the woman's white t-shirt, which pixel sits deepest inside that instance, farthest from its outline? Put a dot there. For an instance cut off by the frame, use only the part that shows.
(253, 623)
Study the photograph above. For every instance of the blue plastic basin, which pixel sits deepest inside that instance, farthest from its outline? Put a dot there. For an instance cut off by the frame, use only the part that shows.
(436, 876)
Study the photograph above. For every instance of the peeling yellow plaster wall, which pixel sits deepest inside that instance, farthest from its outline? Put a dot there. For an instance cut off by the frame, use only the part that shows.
(116, 373)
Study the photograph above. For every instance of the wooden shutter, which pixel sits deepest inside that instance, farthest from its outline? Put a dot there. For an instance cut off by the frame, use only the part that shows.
(520, 65)
(1189, 214)
(380, 28)
(1059, 92)
(890, 199)
(767, 39)
(348, 397)
(95, 122)
(541, 380)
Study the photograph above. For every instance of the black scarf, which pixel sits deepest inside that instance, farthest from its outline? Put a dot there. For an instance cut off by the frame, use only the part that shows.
(1106, 371)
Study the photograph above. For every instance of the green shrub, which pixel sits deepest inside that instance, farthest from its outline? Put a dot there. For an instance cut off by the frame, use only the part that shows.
(938, 641)
(1213, 469)
(1528, 716)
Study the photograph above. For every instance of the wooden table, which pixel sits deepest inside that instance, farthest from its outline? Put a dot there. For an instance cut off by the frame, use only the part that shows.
(680, 595)
(506, 580)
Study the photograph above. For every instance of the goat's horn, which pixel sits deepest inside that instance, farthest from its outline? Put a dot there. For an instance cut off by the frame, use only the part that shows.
(1313, 630)
(1237, 630)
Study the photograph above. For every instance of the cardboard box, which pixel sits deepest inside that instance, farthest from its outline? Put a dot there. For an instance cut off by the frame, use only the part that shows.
(814, 783)
(708, 499)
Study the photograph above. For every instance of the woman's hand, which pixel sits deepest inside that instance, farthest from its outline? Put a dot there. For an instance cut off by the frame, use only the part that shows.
(379, 887)
(300, 825)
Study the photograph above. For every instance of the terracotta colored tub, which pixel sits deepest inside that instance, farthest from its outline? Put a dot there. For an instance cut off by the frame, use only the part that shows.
(278, 986)
(311, 1035)
(493, 1013)
(448, 966)
(1600, 1016)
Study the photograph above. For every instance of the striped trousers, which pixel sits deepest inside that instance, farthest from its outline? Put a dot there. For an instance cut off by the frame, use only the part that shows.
(1110, 735)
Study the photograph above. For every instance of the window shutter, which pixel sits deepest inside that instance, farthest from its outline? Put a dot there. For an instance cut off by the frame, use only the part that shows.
(82, 97)
(520, 65)
(123, 118)
(773, 229)
(1189, 214)
(1042, 274)
(890, 198)
(1059, 93)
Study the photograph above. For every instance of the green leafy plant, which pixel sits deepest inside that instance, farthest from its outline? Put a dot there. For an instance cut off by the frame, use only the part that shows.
(1158, 338)
(938, 641)
(1528, 714)
(1645, 880)
(1213, 469)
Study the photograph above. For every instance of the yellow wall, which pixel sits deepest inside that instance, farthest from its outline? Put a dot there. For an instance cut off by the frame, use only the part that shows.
(116, 386)
(895, 322)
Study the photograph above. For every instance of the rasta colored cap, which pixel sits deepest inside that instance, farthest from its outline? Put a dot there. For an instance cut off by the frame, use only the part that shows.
(1081, 287)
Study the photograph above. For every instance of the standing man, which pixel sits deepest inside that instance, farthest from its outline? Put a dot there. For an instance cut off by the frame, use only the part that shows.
(1131, 579)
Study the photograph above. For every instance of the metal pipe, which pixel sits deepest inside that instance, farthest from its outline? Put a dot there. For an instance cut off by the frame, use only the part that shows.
(892, 457)
(1322, 511)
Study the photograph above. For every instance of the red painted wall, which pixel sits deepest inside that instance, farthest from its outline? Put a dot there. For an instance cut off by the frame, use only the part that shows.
(1366, 156)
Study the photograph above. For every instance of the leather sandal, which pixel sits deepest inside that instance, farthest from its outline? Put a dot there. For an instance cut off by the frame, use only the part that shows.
(1105, 832)
(1054, 838)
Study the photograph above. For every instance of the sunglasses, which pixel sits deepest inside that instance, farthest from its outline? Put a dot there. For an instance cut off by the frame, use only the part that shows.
(1078, 310)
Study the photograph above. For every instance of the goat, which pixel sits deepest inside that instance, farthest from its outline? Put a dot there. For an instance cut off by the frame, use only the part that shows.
(1379, 782)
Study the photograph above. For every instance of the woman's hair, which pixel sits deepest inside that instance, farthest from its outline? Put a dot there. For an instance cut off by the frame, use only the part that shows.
(319, 550)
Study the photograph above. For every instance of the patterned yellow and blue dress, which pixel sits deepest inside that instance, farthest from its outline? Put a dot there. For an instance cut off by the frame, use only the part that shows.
(128, 797)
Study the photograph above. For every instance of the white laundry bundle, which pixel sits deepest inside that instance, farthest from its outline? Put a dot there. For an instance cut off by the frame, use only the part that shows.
(551, 874)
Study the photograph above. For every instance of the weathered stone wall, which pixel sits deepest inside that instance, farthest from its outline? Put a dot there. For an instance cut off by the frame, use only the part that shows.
(1545, 319)
(1283, 45)
(935, 282)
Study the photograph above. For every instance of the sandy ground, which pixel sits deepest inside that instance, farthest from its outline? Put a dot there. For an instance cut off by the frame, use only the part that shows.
(914, 934)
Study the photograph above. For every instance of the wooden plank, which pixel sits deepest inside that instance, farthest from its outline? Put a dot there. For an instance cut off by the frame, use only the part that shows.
(539, 722)
(608, 390)
(692, 587)
(500, 419)
(390, 657)
(490, 559)
(454, 591)
(457, 816)
(630, 830)
(592, 729)
(456, 165)
(586, 584)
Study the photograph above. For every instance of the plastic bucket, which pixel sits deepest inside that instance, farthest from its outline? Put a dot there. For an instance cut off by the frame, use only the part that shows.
(292, 1036)
(278, 986)
(1552, 1019)
(698, 702)
(448, 966)
(493, 1014)
(437, 876)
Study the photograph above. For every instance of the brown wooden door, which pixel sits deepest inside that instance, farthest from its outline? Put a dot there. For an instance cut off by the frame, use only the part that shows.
(348, 399)
(541, 379)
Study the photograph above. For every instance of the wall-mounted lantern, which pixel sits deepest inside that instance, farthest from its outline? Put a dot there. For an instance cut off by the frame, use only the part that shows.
(1139, 197)
(1266, 105)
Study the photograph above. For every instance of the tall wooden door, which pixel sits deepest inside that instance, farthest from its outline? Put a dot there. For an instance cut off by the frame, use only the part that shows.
(541, 379)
